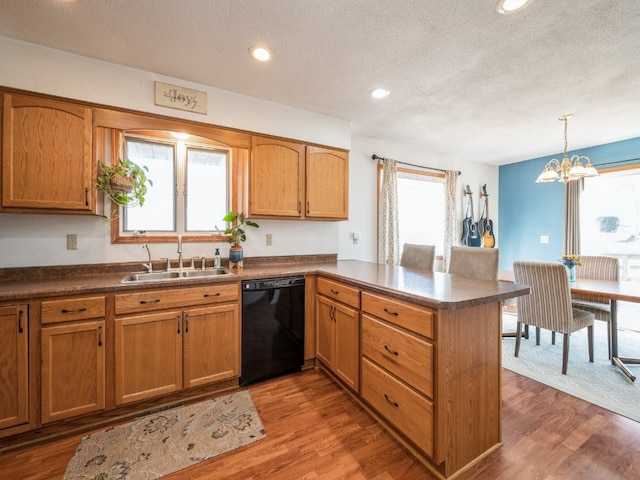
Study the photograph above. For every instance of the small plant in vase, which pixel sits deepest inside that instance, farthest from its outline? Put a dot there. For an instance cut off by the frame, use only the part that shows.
(571, 261)
(237, 224)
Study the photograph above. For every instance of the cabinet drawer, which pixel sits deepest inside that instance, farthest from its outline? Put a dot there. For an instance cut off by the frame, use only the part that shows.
(411, 317)
(408, 411)
(69, 309)
(176, 298)
(339, 291)
(406, 356)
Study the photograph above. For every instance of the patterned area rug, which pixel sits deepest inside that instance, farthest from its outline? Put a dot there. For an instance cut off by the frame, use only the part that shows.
(600, 383)
(165, 442)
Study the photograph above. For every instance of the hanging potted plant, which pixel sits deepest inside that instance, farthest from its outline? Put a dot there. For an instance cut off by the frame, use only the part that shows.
(236, 231)
(125, 183)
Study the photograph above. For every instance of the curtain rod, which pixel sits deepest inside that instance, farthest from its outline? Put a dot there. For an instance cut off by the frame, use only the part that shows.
(376, 157)
(619, 161)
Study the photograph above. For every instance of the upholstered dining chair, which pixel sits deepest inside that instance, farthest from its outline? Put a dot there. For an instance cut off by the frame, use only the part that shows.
(548, 305)
(420, 257)
(475, 262)
(597, 268)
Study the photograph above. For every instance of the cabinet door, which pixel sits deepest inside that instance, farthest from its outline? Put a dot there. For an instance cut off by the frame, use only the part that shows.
(327, 183)
(325, 330)
(46, 155)
(148, 350)
(347, 345)
(211, 342)
(73, 370)
(276, 178)
(14, 364)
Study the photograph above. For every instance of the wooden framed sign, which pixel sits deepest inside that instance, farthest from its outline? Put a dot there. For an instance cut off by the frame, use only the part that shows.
(180, 98)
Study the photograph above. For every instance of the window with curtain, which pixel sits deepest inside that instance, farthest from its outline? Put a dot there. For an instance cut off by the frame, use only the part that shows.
(610, 218)
(421, 208)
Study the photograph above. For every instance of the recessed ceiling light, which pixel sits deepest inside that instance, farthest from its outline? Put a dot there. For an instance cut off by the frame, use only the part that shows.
(262, 54)
(510, 6)
(379, 92)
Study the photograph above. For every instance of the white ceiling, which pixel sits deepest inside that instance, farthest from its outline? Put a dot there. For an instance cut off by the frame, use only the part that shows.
(465, 82)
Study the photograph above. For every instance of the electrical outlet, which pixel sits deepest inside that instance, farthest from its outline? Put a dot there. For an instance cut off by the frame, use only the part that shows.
(544, 238)
(269, 239)
(72, 241)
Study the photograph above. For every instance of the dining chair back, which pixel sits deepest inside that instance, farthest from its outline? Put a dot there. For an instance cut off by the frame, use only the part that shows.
(597, 268)
(548, 305)
(474, 262)
(420, 257)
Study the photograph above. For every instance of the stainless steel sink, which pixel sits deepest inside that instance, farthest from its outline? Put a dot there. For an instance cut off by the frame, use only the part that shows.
(138, 277)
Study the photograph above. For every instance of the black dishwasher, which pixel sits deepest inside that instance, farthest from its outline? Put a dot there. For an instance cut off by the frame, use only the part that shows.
(272, 328)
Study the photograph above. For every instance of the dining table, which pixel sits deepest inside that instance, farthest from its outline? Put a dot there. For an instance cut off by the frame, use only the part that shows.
(612, 290)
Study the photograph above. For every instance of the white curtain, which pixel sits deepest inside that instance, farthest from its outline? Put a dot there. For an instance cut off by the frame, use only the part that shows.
(571, 231)
(388, 214)
(451, 218)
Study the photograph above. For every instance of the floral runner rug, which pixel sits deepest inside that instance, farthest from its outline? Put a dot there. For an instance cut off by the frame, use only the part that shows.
(165, 442)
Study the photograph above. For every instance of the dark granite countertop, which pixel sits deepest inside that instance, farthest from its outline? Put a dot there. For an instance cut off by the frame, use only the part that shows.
(435, 290)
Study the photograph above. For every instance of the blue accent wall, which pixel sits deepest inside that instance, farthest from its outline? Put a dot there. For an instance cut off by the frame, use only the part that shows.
(529, 210)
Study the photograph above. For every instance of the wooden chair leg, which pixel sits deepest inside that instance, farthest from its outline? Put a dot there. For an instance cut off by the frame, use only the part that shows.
(518, 334)
(590, 337)
(565, 353)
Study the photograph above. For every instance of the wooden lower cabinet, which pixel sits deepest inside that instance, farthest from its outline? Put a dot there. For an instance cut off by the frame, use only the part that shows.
(211, 339)
(167, 350)
(73, 369)
(148, 350)
(410, 412)
(14, 364)
(338, 336)
(433, 376)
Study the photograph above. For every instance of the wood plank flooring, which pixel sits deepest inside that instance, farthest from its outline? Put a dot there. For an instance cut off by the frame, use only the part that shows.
(316, 431)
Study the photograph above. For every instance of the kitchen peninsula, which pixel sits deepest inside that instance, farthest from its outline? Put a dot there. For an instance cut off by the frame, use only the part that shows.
(424, 355)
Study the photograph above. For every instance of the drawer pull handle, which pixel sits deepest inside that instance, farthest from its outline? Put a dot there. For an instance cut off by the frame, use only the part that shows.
(178, 320)
(77, 310)
(144, 302)
(207, 295)
(335, 292)
(99, 336)
(186, 324)
(395, 404)
(20, 314)
(389, 312)
(391, 351)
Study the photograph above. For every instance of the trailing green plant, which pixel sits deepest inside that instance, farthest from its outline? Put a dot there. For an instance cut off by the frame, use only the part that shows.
(125, 183)
(236, 229)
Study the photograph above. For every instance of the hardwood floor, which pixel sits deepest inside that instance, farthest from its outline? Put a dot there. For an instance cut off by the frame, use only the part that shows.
(316, 431)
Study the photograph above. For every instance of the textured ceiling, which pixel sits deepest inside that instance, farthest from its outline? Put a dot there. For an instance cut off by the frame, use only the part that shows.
(465, 82)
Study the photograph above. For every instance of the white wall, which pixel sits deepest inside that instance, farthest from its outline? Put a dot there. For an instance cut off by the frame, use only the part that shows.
(38, 240)
(363, 190)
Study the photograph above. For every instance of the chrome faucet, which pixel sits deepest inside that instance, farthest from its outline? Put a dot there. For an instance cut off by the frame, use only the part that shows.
(148, 266)
(180, 252)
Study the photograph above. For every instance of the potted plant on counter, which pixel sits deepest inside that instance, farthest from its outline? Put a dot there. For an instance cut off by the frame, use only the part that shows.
(237, 224)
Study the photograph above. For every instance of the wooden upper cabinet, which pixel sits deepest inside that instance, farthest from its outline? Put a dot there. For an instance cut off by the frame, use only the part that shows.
(46, 155)
(276, 178)
(288, 179)
(327, 187)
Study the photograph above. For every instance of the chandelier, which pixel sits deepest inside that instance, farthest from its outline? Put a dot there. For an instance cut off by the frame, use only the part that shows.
(567, 169)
